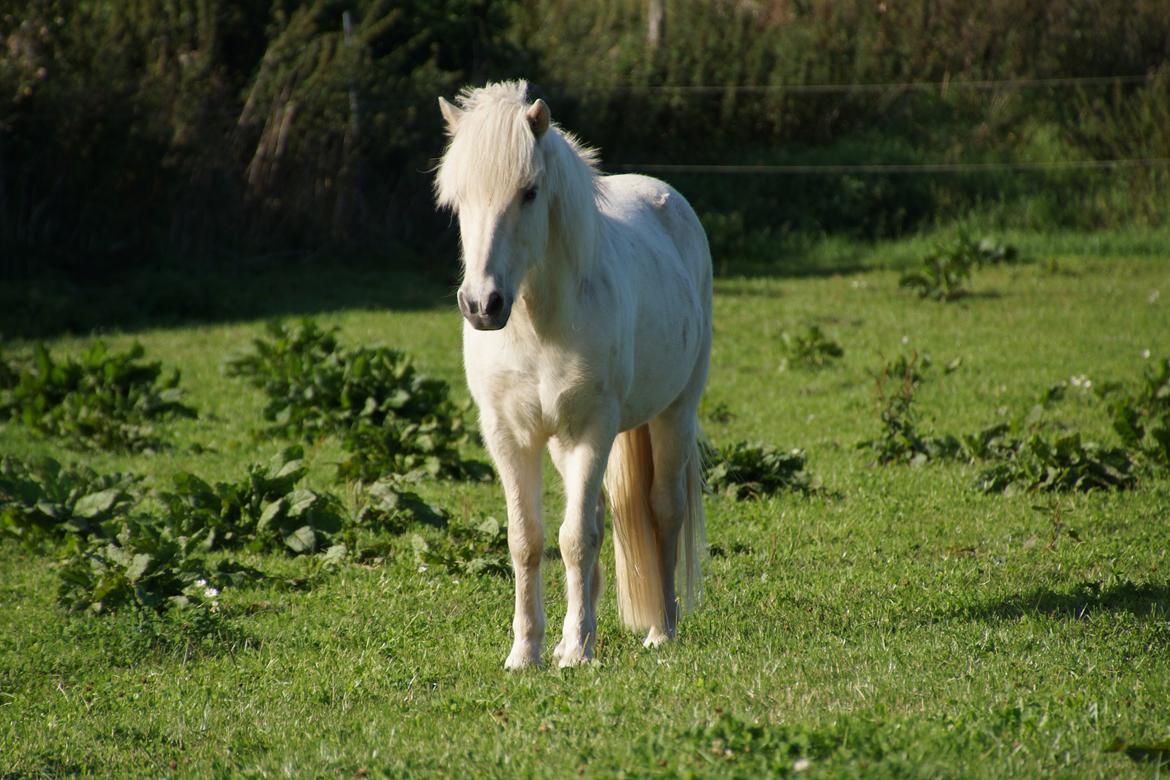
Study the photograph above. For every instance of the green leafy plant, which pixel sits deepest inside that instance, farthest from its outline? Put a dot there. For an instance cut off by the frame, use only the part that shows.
(900, 441)
(809, 348)
(42, 500)
(391, 419)
(102, 400)
(1026, 455)
(1063, 463)
(412, 450)
(467, 548)
(264, 510)
(748, 471)
(1142, 417)
(942, 274)
(390, 508)
(298, 369)
(142, 567)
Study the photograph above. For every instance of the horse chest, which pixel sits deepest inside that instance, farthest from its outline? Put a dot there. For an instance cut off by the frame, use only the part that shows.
(541, 393)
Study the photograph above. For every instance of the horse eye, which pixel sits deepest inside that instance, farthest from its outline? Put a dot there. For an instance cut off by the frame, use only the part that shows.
(528, 195)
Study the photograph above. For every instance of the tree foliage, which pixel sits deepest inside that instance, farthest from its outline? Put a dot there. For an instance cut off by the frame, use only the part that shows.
(131, 128)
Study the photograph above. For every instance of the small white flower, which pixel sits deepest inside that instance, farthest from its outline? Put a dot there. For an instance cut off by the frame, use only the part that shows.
(201, 582)
(1081, 381)
(905, 339)
(801, 764)
(1146, 354)
(211, 592)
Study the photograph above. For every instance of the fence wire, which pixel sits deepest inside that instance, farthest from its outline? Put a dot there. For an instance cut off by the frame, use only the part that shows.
(895, 168)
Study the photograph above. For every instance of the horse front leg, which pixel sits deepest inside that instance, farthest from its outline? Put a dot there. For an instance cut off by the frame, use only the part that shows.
(597, 578)
(519, 470)
(582, 467)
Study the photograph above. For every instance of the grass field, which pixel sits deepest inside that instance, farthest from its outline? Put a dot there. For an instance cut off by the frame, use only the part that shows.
(897, 623)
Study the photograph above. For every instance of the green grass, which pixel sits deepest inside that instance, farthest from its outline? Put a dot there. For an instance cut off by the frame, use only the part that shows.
(896, 623)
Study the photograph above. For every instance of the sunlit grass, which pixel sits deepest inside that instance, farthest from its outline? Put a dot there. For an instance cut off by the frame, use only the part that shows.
(898, 622)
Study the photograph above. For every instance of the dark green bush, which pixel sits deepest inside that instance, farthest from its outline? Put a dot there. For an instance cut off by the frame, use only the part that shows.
(137, 129)
(809, 348)
(143, 567)
(1064, 463)
(101, 400)
(262, 511)
(1142, 417)
(44, 501)
(390, 418)
(134, 128)
(468, 548)
(749, 471)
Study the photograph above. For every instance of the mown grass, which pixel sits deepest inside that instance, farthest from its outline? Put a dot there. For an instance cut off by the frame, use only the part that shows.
(895, 623)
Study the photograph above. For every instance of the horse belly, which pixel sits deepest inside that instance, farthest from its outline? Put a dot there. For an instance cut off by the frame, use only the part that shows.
(668, 345)
(667, 259)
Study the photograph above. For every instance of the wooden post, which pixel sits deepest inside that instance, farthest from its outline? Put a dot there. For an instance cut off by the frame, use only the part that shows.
(350, 179)
(655, 22)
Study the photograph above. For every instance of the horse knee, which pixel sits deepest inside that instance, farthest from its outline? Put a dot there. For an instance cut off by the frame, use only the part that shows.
(579, 541)
(525, 551)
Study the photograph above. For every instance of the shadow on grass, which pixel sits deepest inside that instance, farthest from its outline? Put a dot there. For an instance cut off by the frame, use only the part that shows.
(47, 302)
(46, 764)
(1085, 599)
(55, 304)
(126, 639)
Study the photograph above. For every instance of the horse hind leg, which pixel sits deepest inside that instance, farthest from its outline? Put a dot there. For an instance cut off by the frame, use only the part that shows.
(676, 500)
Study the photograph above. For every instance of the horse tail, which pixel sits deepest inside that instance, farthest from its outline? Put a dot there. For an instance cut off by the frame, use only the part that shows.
(628, 477)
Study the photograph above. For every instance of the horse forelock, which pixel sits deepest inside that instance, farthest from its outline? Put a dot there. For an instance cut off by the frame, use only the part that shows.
(493, 153)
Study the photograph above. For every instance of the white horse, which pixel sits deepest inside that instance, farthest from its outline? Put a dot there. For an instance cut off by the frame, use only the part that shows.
(587, 302)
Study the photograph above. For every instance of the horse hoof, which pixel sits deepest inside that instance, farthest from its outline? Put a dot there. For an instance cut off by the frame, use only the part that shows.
(567, 655)
(576, 657)
(656, 638)
(522, 658)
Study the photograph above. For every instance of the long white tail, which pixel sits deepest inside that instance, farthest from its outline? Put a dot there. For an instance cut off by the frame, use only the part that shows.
(628, 477)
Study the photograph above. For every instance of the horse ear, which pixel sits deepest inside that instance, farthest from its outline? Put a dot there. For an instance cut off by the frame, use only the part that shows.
(451, 114)
(538, 118)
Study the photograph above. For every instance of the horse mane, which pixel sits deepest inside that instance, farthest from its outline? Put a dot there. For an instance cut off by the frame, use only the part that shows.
(492, 155)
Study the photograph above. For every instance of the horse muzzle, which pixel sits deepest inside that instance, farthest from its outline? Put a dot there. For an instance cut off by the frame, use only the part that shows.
(489, 314)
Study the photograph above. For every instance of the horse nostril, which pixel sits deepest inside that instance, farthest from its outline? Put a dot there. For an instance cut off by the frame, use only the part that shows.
(465, 304)
(495, 303)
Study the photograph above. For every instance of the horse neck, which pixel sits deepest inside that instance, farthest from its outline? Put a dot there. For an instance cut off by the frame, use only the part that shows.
(574, 239)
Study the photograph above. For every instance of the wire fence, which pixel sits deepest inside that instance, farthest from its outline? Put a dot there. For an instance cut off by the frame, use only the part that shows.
(892, 86)
(232, 116)
(896, 168)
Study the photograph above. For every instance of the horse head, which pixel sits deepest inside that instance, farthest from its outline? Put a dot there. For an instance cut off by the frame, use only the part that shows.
(492, 176)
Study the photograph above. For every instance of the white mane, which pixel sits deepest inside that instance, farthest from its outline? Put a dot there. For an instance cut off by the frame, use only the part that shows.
(493, 154)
